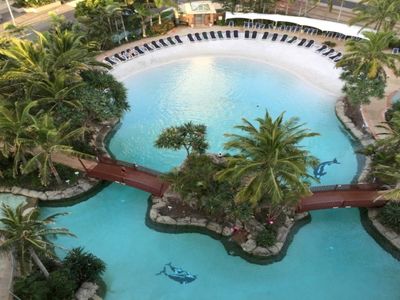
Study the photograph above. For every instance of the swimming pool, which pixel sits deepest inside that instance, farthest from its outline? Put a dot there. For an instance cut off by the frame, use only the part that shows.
(330, 258)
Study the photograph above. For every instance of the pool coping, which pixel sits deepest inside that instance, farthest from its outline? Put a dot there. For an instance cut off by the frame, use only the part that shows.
(384, 236)
(232, 248)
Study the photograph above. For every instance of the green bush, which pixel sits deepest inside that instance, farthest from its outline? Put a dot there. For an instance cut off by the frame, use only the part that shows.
(267, 237)
(32, 287)
(61, 285)
(390, 215)
(329, 44)
(84, 266)
(32, 3)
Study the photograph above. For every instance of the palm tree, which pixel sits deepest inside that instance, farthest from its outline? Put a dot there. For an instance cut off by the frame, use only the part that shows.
(270, 162)
(383, 13)
(57, 91)
(50, 139)
(26, 235)
(369, 54)
(15, 121)
(143, 12)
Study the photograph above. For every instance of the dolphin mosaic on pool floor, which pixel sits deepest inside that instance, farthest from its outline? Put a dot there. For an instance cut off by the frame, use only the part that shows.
(177, 274)
(319, 171)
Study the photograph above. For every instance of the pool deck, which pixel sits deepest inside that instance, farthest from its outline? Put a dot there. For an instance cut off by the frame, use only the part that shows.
(373, 113)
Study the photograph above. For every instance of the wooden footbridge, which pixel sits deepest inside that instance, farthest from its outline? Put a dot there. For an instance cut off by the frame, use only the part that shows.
(342, 196)
(323, 197)
(122, 172)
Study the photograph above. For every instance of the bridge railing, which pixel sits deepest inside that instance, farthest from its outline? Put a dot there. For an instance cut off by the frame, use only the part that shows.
(345, 187)
(111, 161)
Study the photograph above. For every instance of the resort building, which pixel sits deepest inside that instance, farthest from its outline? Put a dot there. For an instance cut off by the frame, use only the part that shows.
(198, 13)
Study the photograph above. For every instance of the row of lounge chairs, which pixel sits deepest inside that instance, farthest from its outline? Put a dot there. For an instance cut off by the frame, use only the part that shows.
(136, 51)
(131, 53)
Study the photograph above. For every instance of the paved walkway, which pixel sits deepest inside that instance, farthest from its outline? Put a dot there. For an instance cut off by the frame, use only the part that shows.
(374, 113)
(5, 276)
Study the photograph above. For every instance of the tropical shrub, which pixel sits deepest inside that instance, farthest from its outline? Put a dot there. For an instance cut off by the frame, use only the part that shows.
(32, 3)
(266, 237)
(84, 266)
(61, 285)
(31, 287)
(189, 136)
(390, 215)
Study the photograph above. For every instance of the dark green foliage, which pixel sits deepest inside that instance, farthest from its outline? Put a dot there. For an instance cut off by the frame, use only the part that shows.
(158, 29)
(390, 215)
(190, 136)
(84, 266)
(360, 89)
(32, 3)
(32, 287)
(61, 285)
(390, 112)
(196, 181)
(267, 237)
(102, 98)
(196, 177)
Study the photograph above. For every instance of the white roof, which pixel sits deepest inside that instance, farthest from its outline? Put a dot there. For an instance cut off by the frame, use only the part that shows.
(198, 7)
(303, 21)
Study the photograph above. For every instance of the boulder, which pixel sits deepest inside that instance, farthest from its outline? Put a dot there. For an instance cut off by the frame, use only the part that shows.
(227, 231)
(166, 220)
(253, 226)
(396, 242)
(198, 222)
(273, 250)
(372, 213)
(282, 234)
(261, 251)
(153, 214)
(86, 291)
(391, 235)
(379, 226)
(159, 205)
(214, 227)
(183, 221)
(249, 245)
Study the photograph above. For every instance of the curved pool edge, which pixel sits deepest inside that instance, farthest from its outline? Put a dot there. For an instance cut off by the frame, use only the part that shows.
(231, 247)
(379, 238)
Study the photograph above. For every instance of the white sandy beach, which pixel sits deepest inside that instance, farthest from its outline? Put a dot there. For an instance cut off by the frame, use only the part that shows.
(304, 62)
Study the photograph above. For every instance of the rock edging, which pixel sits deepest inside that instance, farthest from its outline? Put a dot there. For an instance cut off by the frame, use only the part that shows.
(387, 238)
(248, 250)
(384, 236)
(82, 186)
(364, 139)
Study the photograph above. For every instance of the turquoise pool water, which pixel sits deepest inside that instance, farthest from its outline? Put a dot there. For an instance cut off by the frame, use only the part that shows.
(330, 258)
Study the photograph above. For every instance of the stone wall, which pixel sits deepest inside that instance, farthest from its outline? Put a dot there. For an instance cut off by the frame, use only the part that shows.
(247, 249)
(386, 237)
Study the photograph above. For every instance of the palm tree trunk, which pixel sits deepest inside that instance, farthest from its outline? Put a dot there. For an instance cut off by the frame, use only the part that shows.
(39, 263)
(159, 18)
(340, 10)
(55, 172)
(143, 28)
(123, 27)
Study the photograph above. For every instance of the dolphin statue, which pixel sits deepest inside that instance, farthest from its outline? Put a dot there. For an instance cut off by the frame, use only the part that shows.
(177, 274)
(319, 171)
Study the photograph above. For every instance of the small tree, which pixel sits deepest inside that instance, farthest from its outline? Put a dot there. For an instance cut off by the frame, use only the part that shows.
(84, 266)
(359, 89)
(190, 136)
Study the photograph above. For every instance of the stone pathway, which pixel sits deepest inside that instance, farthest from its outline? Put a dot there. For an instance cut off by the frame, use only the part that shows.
(374, 113)
(5, 276)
